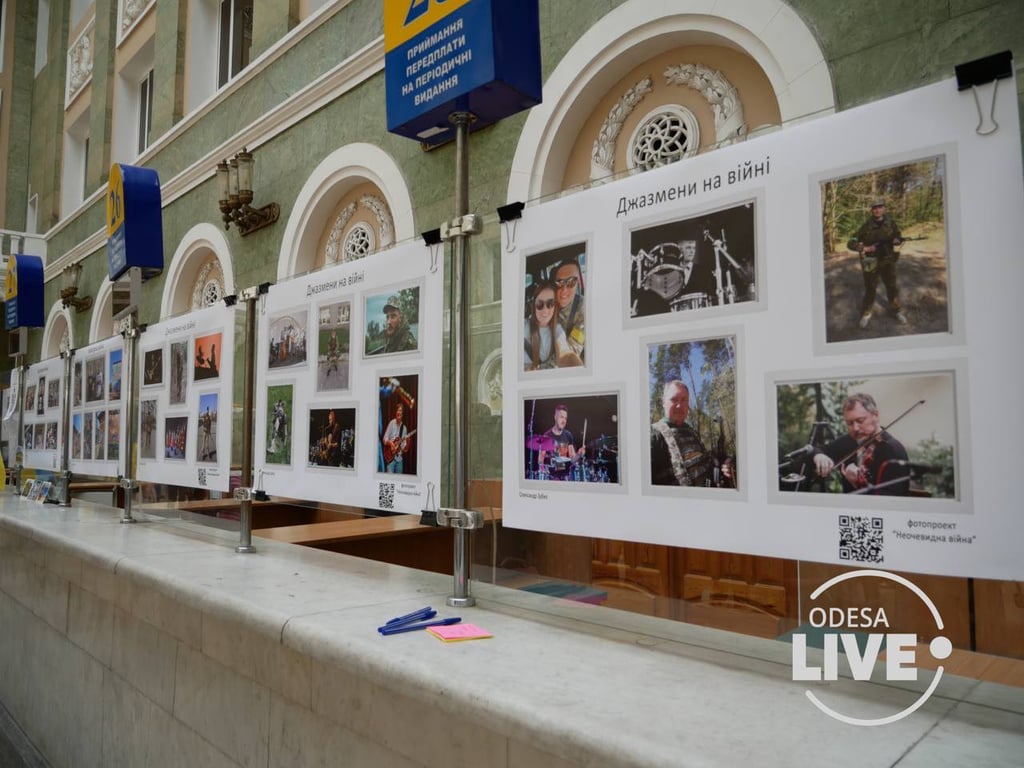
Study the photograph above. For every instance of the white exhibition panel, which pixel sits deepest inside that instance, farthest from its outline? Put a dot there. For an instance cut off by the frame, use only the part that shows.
(97, 409)
(328, 383)
(186, 371)
(41, 425)
(779, 360)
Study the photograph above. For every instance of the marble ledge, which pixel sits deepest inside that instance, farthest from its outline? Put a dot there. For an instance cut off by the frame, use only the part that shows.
(587, 684)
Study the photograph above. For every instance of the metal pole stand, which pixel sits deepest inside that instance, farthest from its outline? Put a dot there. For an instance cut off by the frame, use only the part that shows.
(65, 456)
(459, 231)
(130, 330)
(245, 492)
(461, 521)
(19, 448)
(128, 485)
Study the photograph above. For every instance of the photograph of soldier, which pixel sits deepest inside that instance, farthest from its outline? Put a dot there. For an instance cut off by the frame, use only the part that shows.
(99, 433)
(206, 443)
(175, 437)
(555, 311)
(53, 393)
(51, 436)
(207, 357)
(39, 436)
(397, 446)
(571, 439)
(147, 429)
(332, 356)
(30, 398)
(393, 322)
(76, 387)
(179, 372)
(87, 437)
(113, 435)
(891, 435)
(95, 381)
(76, 436)
(153, 367)
(28, 438)
(332, 437)
(41, 397)
(693, 412)
(288, 338)
(884, 240)
(279, 424)
(704, 261)
(115, 374)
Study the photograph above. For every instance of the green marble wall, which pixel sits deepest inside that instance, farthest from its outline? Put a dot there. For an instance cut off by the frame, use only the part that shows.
(873, 49)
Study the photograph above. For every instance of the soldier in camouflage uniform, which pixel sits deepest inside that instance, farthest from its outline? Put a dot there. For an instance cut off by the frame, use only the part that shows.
(398, 337)
(678, 456)
(876, 242)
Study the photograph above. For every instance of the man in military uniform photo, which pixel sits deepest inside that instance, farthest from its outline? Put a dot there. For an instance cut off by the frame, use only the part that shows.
(678, 456)
(876, 242)
(398, 336)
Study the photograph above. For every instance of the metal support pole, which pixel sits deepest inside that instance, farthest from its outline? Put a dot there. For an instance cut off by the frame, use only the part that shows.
(19, 446)
(460, 337)
(248, 404)
(131, 339)
(65, 429)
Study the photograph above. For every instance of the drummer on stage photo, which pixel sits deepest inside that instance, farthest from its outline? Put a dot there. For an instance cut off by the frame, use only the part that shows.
(559, 449)
(671, 277)
(695, 263)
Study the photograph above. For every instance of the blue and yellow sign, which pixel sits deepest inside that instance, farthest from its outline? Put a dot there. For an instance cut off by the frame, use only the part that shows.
(23, 292)
(134, 221)
(445, 56)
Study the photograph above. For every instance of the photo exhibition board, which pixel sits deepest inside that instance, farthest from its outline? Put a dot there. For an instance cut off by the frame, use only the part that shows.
(348, 374)
(43, 391)
(97, 409)
(797, 346)
(186, 371)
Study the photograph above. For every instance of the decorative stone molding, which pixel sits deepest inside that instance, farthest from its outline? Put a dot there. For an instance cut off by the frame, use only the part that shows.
(342, 246)
(359, 242)
(722, 95)
(489, 386)
(668, 134)
(80, 55)
(384, 224)
(208, 287)
(131, 11)
(602, 157)
(334, 249)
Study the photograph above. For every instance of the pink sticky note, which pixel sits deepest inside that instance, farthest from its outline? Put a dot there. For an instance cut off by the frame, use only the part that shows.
(457, 632)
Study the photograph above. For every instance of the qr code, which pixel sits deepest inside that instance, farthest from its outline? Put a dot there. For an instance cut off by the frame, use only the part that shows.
(861, 538)
(386, 495)
(202, 476)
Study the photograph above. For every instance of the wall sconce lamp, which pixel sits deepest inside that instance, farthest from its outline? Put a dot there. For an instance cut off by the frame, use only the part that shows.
(234, 186)
(69, 289)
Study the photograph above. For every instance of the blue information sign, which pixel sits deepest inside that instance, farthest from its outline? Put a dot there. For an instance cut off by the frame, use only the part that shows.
(135, 235)
(23, 292)
(445, 56)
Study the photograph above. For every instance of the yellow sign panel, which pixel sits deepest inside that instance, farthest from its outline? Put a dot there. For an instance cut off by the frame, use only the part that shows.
(115, 200)
(11, 282)
(404, 19)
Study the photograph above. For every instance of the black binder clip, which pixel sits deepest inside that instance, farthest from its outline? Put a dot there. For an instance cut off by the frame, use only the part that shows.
(989, 69)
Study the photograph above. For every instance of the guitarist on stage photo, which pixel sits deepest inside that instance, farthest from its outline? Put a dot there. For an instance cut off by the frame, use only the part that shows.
(395, 442)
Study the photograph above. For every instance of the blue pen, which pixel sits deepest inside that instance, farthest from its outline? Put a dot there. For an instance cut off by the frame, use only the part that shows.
(394, 630)
(422, 613)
